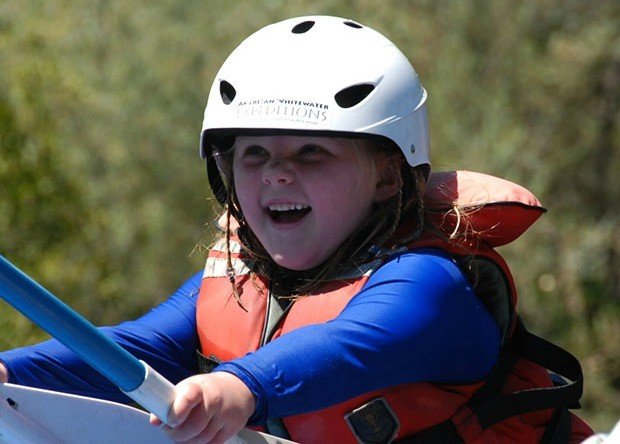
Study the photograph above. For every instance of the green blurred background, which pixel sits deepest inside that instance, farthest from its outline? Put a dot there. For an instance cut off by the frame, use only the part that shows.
(103, 198)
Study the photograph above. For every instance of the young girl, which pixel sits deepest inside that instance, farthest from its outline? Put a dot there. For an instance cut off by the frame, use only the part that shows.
(328, 311)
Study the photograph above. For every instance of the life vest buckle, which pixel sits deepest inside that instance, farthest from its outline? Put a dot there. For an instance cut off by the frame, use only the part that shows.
(374, 422)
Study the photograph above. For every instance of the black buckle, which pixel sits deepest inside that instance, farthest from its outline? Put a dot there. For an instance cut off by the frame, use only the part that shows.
(373, 423)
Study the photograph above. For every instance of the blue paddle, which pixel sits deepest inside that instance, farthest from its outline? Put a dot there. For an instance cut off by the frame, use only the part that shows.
(134, 377)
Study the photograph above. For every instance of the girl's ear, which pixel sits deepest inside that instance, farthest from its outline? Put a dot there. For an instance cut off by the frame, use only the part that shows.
(390, 181)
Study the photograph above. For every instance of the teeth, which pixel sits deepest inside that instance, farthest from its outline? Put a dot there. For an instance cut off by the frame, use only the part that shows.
(287, 207)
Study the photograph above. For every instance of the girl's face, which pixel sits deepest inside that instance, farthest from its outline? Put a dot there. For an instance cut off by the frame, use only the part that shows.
(303, 196)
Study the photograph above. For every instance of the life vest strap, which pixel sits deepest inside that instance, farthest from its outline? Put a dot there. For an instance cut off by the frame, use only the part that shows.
(490, 407)
(559, 428)
(549, 356)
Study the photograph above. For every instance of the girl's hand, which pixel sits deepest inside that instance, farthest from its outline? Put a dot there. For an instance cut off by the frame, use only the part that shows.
(209, 409)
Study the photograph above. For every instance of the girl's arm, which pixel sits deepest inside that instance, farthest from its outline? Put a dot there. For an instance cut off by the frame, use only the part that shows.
(416, 319)
(165, 337)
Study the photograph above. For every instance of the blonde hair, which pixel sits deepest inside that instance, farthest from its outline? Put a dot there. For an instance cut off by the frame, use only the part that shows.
(376, 231)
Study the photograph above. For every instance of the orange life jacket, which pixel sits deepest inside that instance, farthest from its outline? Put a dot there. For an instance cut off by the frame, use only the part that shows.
(495, 410)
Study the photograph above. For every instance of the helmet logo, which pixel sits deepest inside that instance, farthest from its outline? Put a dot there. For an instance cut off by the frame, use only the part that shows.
(283, 110)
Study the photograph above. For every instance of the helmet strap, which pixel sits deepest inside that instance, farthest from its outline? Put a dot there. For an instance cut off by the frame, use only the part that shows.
(215, 180)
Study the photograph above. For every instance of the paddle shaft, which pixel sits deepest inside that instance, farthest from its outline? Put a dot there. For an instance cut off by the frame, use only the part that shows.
(132, 376)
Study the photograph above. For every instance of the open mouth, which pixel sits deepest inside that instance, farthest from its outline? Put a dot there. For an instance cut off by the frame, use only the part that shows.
(287, 213)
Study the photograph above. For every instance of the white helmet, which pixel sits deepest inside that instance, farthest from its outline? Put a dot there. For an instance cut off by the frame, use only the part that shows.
(318, 74)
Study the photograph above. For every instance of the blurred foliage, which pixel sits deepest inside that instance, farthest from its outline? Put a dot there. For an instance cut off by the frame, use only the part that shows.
(103, 197)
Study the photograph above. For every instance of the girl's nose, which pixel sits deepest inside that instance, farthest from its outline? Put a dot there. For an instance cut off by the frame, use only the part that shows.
(278, 171)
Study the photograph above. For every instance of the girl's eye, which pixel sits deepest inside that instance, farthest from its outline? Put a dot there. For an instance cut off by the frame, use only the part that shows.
(254, 151)
(312, 150)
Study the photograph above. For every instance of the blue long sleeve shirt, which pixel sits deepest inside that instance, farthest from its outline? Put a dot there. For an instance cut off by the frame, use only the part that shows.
(416, 319)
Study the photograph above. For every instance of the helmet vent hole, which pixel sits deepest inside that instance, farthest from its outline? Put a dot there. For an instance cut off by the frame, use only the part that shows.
(353, 24)
(353, 95)
(302, 27)
(227, 91)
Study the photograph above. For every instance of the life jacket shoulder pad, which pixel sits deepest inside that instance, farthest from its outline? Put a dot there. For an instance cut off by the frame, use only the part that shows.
(480, 207)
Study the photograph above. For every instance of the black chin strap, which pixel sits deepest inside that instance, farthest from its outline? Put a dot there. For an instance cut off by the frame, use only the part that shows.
(215, 180)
